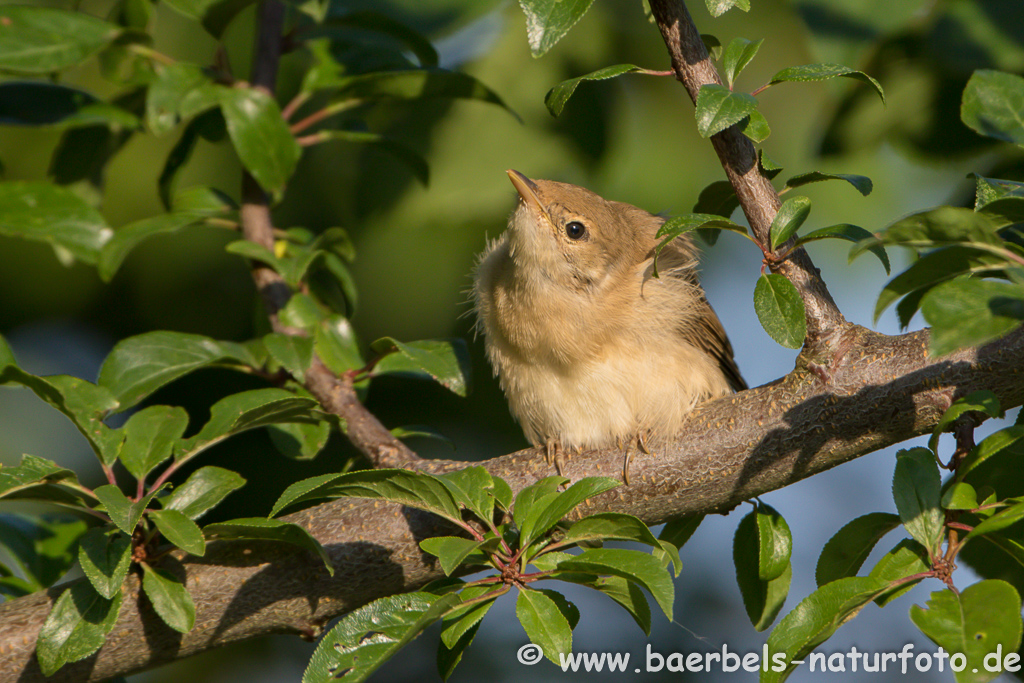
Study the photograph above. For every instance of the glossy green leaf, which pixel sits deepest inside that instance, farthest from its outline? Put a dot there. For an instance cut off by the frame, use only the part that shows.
(547, 21)
(209, 125)
(847, 550)
(544, 623)
(404, 153)
(850, 233)
(295, 354)
(535, 497)
(992, 105)
(999, 197)
(816, 618)
(560, 94)
(705, 224)
(76, 627)
(998, 521)
(261, 528)
(248, 410)
(6, 354)
(105, 556)
(821, 72)
(472, 487)
(38, 103)
(991, 445)
(180, 531)
(960, 496)
(908, 558)
(781, 310)
(981, 401)
(169, 597)
(150, 434)
(449, 550)
(611, 526)
(347, 654)
(790, 216)
(736, 56)
(420, 432)
(299, 441)
(983, 618)
(718, 199)
(711, 43)
(937, 227)
(126, 238)
(203, 490)
(215, 15)
(382, 23)
(336, 345)
(763, 598)
(302, 311)
(678, 531)
(444, 361)
(934, 268)
(398, 486)
(755, 127)
(41, 40)
(543, 517)
(719, 7)
(138, 366)
(625, 593)
(31, 471)
(632, 565)
(863, 184)
(718, 108)
(416, 84)
(970, 312)
(47, 213)
(449, 656)
(123, 512)
(42, 546)
(178, 91)
(774, 540)
(261, 137)
(916, 488)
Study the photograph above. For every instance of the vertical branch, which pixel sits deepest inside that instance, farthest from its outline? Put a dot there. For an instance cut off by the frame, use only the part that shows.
(336, 395)
(736, 152)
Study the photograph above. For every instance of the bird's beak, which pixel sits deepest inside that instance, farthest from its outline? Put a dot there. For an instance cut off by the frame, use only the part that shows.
(527, 190)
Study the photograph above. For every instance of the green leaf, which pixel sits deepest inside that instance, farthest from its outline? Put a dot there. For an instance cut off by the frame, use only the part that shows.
(762, 597)
(821, 72)
(413, 489)
(847, 550)
(244, 411)
(203, 490)
(863, 184)
(444, 361)
(908, 558)
(36, 103)
(1001, 198)
(382, 23)
(916, 488)
(404, 153)
(790, 216)
(543, 517)
(960, 496)
(816, 618)
(6, 354)
(336, 344)
(170, 598)
(625, 593)
(32, 471)
(261, 528)
(931, 269)
(449, 550)
(850, 233)
(105, 555)
(992, 105)
(42, 546)
(755, 127)
(123, 512)
(215, 15)
(367, 637)
(678, 531)
(718, 108)
(718, 199)
(416, 84)
(533, 498)
(138, 366)
(775, 542)
(970, 312)
(992, 444)
(737, 55)
(449, 656)
(632, 565)
(984, 618)
(150, 434)
(560, 94)
(937, 227)
(47, 213)
(180, 531)
(472, 487)
(705, 224)
(302, 311)
(209, 125)
(610, 526)
(178, 91)
(262, 139)
(299, 441)
(780, 310)
(41, 40)
(76, 627)
(720, 7)
(547, 21)
(981, 401)
(544, 623)
(126, 238)
(295, 354)
(998, 522)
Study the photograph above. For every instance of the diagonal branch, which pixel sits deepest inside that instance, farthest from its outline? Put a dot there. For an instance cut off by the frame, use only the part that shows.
(757, 196)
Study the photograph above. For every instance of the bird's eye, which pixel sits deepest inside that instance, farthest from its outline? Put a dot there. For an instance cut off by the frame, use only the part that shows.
(575, 230)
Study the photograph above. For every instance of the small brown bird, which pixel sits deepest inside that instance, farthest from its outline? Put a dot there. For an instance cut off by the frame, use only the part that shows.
(590, 348)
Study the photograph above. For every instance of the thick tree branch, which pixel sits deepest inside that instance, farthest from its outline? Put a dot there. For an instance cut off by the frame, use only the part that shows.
(757, 196)
(879, 391)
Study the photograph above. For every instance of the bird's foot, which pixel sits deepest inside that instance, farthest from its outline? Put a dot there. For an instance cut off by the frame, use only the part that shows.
(641, 443)
(554, 454)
